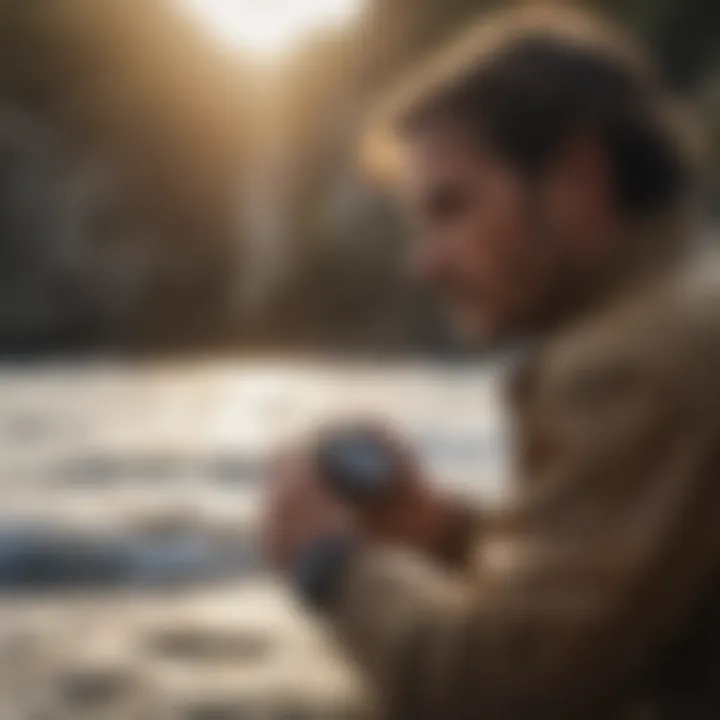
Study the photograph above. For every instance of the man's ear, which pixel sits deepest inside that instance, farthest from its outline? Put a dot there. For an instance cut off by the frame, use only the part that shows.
(579, 191)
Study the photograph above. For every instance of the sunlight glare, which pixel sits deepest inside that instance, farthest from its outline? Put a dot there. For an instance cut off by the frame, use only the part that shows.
(270, 26)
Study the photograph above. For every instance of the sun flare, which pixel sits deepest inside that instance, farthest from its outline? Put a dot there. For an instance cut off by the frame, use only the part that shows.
(269, 26)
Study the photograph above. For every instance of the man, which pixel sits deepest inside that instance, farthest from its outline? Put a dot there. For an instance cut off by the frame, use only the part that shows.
(550, 190)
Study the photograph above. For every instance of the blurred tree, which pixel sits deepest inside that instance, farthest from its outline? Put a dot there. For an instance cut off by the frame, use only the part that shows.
(137, 95)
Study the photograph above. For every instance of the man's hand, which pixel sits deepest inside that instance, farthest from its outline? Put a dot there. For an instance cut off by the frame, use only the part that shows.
(303, 510)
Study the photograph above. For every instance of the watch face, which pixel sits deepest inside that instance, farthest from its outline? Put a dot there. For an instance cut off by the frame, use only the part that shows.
(359, 464)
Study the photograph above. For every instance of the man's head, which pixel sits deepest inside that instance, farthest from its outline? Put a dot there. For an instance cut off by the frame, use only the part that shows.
(534, 148)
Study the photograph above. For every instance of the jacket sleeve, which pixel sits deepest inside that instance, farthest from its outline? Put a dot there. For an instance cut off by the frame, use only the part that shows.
(567, 607)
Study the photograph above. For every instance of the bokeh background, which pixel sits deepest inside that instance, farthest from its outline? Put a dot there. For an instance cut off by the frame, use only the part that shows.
(193, 265)
(176, 179)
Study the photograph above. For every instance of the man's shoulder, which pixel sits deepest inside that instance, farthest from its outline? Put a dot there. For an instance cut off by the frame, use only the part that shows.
(694, 295)
(669, 333)
(682, 316)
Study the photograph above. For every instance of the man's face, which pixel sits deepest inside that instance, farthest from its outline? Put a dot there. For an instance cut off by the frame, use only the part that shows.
(496, 250)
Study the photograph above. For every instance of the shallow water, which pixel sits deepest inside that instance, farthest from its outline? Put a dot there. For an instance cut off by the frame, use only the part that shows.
(130, 496)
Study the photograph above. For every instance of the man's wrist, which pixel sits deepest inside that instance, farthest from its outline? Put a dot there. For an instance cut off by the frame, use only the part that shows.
(461, 528)
(318, 571)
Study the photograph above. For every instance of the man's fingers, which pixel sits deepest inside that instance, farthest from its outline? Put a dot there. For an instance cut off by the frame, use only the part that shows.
(298, 507)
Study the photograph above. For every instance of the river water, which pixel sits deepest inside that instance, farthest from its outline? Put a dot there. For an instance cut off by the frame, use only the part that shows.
(130, 583)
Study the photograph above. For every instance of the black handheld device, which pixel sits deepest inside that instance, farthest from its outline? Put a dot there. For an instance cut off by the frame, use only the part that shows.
(358, 464)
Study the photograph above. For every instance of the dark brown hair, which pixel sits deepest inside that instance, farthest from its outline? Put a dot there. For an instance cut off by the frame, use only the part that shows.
(526, 80)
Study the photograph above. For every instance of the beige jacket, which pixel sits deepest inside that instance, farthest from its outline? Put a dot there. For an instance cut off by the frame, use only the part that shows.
(595, 598)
